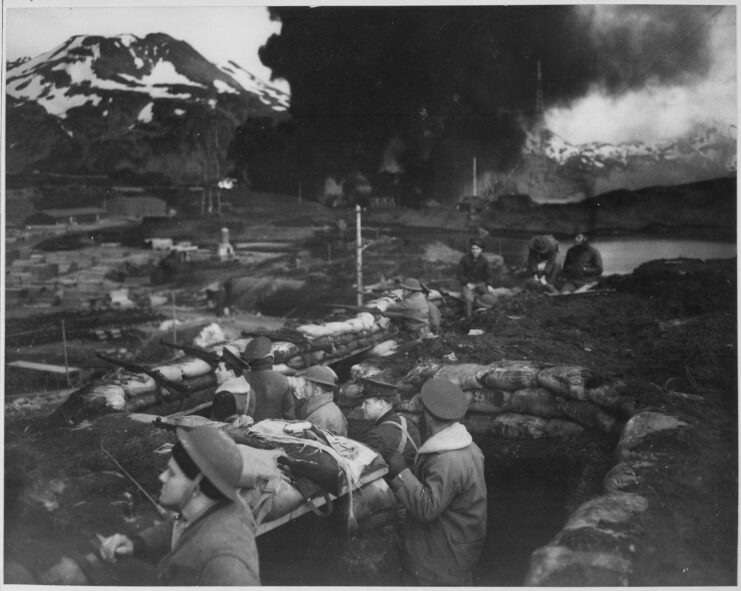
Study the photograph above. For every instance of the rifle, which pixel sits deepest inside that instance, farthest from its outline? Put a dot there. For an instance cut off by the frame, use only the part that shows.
(370, 309)
(209, 357)
(156, 375)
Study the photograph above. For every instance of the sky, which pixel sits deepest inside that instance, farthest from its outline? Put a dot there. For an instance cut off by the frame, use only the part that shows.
(220, 32)
(236, 29)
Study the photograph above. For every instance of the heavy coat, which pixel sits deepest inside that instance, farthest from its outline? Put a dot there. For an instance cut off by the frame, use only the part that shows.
(445, 497)
(474, 270)
(321, 411)
(583, 264)
(384, 436)
(414, 312)
(549, 257)
(242, 393)
(273, 398)
(217, 549)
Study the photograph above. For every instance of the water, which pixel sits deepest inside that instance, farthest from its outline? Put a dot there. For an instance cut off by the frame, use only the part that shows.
(622, 255)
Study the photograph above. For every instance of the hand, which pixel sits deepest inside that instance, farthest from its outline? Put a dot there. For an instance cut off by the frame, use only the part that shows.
(470, 285)
(396, 462)
(490, 289)
(115, 545)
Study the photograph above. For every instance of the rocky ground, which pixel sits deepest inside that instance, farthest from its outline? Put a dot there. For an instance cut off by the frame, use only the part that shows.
(669, 330)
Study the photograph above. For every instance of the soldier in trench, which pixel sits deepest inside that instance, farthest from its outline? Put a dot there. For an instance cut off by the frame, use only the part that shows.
(444, 492)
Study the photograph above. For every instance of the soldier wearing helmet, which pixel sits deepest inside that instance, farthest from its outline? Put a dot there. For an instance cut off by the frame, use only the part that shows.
(413, 310)
(444, 492)
(273, 399)
(318, 407)
(211, 540)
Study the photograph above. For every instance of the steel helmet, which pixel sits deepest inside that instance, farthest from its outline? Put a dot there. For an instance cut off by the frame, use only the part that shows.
(217, 457)
(233, 362)
(257, 348)
(411, 283)
(321, 375)
(443, 399)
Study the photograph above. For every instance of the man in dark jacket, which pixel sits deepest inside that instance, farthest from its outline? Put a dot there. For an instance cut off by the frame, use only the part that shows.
(273, 398)
(320, 385)
(542, 264)
(212, 540)
(391, 431)
(474, 273)
(582, 266)
(444, 492)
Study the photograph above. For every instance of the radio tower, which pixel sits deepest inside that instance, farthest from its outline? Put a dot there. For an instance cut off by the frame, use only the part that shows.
(211, 201)
(539, 180)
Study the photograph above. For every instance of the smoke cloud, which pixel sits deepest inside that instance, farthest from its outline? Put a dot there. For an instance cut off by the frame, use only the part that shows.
(448, 82)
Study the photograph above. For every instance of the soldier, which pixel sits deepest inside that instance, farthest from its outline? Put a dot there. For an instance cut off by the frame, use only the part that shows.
(474, 273)
(320, 408)
(273, 399)
(582, 266)
(211, 541)
(391, 431)
(444, 492)
(415, 311)
(233, 397)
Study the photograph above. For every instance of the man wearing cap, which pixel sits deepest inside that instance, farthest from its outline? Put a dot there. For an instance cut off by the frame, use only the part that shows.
(444, 492)
(474, 273)
(233, 397)
(583, 264)
(413, 309)
(211, 541)
(273, 399)
(320, 384)
(542, 264)
(391, 431)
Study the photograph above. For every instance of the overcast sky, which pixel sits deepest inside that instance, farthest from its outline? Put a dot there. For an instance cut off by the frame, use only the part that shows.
(235, 30)
(224, 31)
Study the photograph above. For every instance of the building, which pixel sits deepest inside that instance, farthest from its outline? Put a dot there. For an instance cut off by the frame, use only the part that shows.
(137, 207)
(63, 217)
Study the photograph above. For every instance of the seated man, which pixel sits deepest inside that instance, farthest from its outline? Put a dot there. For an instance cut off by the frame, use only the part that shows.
(542, 264)
(582, 266)
(414, 310)
(319, 408)
(233, 397)
(474, 273)
(391, 431)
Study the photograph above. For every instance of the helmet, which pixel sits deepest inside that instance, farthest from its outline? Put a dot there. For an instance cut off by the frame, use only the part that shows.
(216, 455)
(257, 348)
(443, 399)
(232, 361)
(411, 283)
(373, 388)
(321, 375)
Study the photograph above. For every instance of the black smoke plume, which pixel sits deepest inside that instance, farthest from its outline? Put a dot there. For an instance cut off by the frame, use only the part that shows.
(438, 85)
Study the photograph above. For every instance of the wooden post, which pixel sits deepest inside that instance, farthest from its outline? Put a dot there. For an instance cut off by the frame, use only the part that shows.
(474, 176)
(359, 263)
(66, 361)
(174, 322)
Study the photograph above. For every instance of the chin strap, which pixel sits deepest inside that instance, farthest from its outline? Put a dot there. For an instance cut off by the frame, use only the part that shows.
(188, 494)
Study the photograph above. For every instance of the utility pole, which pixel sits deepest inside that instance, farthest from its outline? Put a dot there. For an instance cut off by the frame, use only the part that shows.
(359, 263)
(474, 176)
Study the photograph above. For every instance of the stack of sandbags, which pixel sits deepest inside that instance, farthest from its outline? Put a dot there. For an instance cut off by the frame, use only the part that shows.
(520, 399)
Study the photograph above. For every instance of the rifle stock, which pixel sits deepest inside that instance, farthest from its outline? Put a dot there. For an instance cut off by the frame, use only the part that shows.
(153, 373)
(209, 357)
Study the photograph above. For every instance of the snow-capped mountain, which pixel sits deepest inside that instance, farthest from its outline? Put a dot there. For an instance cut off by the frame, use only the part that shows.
(706, 152)
(144, 105)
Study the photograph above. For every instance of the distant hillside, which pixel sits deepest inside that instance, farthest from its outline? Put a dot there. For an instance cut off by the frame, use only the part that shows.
(131, 108)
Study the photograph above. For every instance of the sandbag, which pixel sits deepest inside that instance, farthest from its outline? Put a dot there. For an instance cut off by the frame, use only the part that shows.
(625, 476)
(112, 396)
(509, 375)
(566, 380)
(421, 373)
(610, 396)
(171, 372)
(258, 465)
(534, 401)
(487, 401)
(463, 374)
(136, 384)
(589, 415)
(562, 428)
(548, 563)
(192, 368)
(510, 425)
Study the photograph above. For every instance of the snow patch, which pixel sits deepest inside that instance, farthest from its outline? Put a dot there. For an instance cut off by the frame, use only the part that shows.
(222, 86)
(179, 112)
(58, 106)
(145, 115)
(127, 39)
